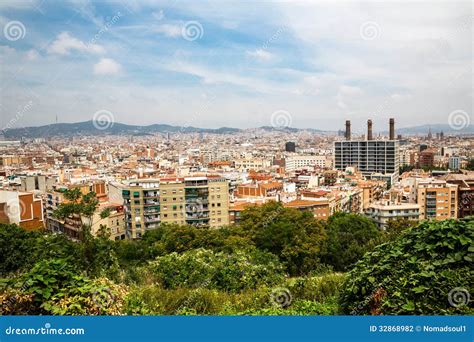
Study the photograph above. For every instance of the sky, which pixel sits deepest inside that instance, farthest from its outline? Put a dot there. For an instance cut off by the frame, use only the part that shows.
(304, 64)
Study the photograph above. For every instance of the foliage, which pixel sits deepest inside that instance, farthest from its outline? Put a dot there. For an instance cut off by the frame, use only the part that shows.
(470, 165)
(349, 236)
(294, 236)
(318, 289)
(53, 287)
(217, 270)
(415, 273)
(397, 227)
(16, 248)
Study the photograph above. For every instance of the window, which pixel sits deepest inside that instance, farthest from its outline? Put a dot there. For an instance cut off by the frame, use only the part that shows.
(136, 194)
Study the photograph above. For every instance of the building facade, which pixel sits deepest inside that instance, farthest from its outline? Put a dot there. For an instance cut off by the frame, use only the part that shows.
(198, 201)
(376, 159)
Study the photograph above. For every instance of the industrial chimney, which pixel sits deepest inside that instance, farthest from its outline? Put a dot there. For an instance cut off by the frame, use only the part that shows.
(369, 130)
(392, 129)
(348, 130)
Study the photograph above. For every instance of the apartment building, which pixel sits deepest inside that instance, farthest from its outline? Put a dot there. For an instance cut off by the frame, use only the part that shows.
(376, 159)
(72, 226)
(246, 164)
(21, 208)
(438, 200)
(293, 163)
(320, 209)
(381, 213)
(198, 201)
(465, 183)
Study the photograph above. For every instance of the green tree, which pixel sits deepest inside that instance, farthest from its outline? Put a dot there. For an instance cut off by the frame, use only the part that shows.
(398, 226)
(17, 247)
(294, 236)
(349, 237)
(98, 253)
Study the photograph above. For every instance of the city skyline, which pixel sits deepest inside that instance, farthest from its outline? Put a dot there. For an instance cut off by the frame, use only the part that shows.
(302, 65)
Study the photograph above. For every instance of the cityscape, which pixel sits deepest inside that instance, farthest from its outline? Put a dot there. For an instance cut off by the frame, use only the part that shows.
(206, 179)
(161, 159)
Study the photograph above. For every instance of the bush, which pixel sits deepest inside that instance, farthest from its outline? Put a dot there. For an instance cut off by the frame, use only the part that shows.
(54, 287)
(318, 288)
(349, 236)
(420, 272)
(228, 272)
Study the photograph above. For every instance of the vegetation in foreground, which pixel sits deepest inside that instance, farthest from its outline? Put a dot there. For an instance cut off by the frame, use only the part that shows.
(276, 261)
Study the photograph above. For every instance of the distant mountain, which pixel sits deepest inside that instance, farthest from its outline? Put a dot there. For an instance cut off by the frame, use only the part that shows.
(106, 128)
(435, 128)
(95, 128)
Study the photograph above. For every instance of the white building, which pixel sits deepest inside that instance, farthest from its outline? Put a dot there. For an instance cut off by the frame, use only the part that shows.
(293, 163)
(383, 212)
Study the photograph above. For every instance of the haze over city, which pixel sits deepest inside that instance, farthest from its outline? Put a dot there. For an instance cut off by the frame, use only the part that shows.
(204, 64)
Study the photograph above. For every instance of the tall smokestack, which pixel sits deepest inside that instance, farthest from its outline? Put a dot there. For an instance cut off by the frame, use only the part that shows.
(392, 129)
(369, 130)
(348, 130)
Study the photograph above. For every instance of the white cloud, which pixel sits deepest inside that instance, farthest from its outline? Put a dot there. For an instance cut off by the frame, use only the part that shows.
(169, 30)
(107, 66)
(158, 15)
(261, 55)
(32, 55)
(65, 43)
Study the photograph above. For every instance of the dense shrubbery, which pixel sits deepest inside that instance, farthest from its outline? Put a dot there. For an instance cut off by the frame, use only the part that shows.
(275, 261)
(228, 272)
(54, 287)
(415, 273)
